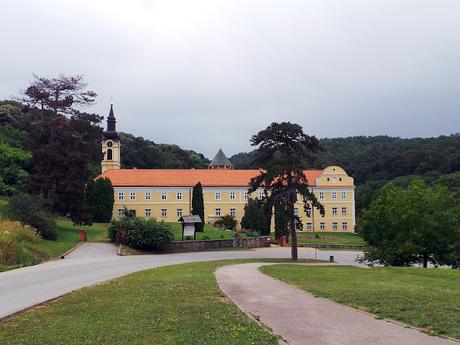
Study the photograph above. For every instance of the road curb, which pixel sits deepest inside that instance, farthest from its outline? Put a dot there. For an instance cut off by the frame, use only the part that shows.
(71, 250)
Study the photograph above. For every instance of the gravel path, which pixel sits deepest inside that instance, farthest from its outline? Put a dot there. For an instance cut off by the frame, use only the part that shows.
(302, 319)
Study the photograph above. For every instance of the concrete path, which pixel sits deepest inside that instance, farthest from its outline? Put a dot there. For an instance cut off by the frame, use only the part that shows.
(302, 319)
(93, 250)
(26, 287)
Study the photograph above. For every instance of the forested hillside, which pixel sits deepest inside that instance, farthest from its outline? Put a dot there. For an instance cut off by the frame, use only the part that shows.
(373, 161)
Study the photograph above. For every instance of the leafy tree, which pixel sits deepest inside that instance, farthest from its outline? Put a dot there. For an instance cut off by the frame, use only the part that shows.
(60, 95)
(283, 153)
(257, 216)
(414, 224)
(198, 206)
(451, 182)
(13, 162)
(99, 198)
(28, 210)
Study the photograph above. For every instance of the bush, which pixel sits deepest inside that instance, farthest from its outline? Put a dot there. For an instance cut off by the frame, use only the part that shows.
(28, 210)
(142, 233)
(226, 222)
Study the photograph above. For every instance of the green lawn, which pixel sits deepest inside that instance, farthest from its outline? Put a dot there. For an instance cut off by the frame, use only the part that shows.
(426, 298)
(329, 238)
(210, 232)
(69, 236)
(179, 304)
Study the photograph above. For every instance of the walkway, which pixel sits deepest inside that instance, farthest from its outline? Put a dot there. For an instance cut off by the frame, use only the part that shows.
(26, 287)
(93, 250)
(302, 319)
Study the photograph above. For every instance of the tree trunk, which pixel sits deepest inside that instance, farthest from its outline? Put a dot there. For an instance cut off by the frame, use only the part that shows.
(425, 260)
(294, 252)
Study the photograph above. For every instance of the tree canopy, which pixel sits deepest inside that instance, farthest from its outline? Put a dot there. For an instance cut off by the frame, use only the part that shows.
(413, 224)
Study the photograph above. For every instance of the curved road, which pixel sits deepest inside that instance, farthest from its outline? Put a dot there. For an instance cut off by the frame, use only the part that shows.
(25, 287)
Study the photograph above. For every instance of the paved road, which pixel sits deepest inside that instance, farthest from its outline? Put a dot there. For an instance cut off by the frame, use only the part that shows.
(93, 250)
(26, 287)
(302, 319)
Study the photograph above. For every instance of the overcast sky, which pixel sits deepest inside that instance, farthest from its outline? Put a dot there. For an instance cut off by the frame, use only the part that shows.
(209, 74)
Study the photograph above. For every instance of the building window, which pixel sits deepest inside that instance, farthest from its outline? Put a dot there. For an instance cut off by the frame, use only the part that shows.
(322, 226)
(148, 212)
(344, 226)
(120, 213)
(344, 195)
(334, 211)
(344, 211)
(334, 195)
(109, 154)
(164, 196)
(218, 211)
(309, 212)
(296, 211)
(164, 212)
(179, 195)
(132, 196)
(246, 195)
(148, 196)
(179, 212)
(335, 226)
(121, 196)
(218, 195)
(232, 195)
(321, 195)
(261, 195)
(233, 212)
(309, 226)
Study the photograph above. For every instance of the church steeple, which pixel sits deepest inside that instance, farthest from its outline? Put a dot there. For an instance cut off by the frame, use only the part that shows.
(111, 121)
(111, 144)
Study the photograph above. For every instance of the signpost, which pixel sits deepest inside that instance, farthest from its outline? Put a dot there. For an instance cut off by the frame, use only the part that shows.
(188, 225)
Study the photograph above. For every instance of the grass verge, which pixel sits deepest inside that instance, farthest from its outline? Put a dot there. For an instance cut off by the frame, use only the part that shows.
(179, 304)
(329, 238)
(425, 298)
(33, 252)
(209, 233)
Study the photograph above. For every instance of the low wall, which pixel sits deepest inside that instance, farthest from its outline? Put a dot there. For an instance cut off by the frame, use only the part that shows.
(249, 242)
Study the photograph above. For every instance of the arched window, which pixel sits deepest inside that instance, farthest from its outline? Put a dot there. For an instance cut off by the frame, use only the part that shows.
(109, 154)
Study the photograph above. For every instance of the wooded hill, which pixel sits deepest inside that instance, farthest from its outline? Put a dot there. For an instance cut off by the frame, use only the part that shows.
(374, 161)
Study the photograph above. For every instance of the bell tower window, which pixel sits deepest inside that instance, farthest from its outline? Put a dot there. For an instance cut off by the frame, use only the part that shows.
(109, 154)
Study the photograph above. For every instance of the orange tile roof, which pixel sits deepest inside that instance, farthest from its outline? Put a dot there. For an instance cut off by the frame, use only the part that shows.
(188, 177)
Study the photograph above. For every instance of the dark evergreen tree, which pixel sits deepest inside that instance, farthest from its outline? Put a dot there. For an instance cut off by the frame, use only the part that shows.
(99, 196)
(198, 205)
(257, 216)
(281, 220)
(284, 151)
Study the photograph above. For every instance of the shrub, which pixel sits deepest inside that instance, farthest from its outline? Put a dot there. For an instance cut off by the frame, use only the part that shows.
(226, 222)
(13, 238)
(27, 209)
(99, 197)
(142, 233)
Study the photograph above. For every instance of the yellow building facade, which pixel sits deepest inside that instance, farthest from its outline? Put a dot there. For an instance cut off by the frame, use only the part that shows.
(166, 194)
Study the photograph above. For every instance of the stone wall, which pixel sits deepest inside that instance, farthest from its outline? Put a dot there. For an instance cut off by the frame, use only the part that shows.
(249, 242)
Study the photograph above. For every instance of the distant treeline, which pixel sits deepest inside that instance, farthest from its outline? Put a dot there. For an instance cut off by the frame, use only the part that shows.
(374, 161)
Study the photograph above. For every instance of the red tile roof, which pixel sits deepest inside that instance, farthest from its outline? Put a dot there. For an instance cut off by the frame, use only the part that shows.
(188, 177)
